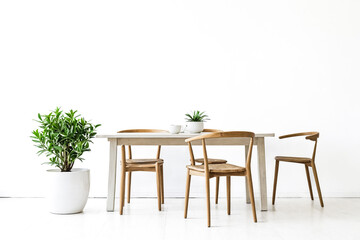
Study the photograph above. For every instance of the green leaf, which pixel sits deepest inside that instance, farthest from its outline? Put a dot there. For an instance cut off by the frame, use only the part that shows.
(196, 116)
(64, 137)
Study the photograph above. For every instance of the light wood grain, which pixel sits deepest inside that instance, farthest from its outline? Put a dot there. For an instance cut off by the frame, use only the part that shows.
(129, 186)
(308, 162)
(251, 193)
(237, 134)
(136, 138)
(317, 185)
(207, 130)
(218, 168)
(187, 192)
(162, 183)
(209, 171)
(144, 165)
(217, 190)
(144, 161)
(246, 183)
(308, 135)
(211, 160)
(275, 181)
(157, 167)
(293, 159)
(207, 186)
(309, 182)
(142, 131)
(122, 181)
(228, 193)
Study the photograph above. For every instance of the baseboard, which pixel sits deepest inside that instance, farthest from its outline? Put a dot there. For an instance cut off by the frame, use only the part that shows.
(202, 194)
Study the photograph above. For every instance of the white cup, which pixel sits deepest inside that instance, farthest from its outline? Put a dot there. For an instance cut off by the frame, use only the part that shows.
(174, 129)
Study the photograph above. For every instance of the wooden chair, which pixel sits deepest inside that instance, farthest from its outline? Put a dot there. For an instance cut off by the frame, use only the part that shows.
(213, 161)
(219, 170)
(308, 162)
(146, 165)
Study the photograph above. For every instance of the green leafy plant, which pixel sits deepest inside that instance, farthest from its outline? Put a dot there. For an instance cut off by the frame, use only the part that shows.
(196, 116)
(63, 137)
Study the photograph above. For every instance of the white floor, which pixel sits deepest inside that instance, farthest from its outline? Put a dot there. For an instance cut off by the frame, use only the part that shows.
(292, 218)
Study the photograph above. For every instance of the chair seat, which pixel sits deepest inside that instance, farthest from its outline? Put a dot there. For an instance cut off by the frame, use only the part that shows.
(144, 161)
(293, 159)
(211, 161)
(218, 168)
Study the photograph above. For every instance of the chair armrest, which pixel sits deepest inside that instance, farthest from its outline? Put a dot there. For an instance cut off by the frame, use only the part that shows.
(222, 135)
(195, 138)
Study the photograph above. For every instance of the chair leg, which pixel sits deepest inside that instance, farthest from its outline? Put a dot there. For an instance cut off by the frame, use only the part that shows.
(187, 192)
(317, 184)
(162, 183)
(251, 193)
(207, 183)
(122, 193)
(275, 181)
(246, 184)
(129, 187)
(122, 180)
(309, 182)
(157, 167)
(217, 190)
(228, 193)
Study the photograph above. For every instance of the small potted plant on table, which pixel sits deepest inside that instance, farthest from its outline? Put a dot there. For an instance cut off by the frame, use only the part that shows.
(195, 121)
(64, 137)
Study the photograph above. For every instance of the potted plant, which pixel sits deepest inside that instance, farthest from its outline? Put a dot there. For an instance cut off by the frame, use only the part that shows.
(195, 121)
(64, 137)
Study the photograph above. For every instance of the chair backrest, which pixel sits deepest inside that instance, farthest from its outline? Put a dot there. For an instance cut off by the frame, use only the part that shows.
(143, 131)
(211, 130)
(312, 136)
(219, 135)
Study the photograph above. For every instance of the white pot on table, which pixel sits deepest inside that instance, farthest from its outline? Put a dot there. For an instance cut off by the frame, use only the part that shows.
(194, 127)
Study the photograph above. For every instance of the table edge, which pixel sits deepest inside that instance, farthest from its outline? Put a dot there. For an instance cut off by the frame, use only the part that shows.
(149, 135)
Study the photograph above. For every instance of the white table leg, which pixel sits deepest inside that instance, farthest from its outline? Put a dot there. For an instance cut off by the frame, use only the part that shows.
(262, 173)
(246, 182)
(112, 175)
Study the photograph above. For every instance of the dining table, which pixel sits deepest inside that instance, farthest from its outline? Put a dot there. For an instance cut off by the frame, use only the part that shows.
(168, 139)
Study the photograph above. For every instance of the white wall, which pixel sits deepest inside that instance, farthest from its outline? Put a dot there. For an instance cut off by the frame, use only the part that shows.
(266, 66)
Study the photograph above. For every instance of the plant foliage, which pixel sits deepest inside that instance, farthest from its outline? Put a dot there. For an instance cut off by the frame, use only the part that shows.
(63, 137)
(196, 116)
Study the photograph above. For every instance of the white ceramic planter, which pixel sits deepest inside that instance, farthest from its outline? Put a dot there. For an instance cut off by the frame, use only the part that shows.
(194, 127)
(67, 191)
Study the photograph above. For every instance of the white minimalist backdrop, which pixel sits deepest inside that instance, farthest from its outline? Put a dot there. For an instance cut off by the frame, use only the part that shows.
(265, 66)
